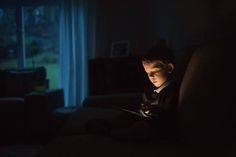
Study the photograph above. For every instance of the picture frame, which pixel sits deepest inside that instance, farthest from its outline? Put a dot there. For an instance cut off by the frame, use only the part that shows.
(120, 48)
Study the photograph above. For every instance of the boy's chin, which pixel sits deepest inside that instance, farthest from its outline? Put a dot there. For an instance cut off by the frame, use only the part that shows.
(157, 85)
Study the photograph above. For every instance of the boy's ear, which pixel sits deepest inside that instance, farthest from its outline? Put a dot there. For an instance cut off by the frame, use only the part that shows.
(170, 68)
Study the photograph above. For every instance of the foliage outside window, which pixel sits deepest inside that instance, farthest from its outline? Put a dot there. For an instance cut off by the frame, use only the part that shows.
(41, 34)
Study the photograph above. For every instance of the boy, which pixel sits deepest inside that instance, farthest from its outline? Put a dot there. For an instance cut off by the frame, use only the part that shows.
(159, 105)
(158, 108)
(160, 102)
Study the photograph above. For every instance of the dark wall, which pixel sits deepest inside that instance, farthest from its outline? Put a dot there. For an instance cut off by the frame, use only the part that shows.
(122, 20)
(181, 23)
(190, 22)
(184, 24)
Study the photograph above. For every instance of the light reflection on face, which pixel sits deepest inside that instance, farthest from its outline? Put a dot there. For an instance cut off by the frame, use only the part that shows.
(156, 72)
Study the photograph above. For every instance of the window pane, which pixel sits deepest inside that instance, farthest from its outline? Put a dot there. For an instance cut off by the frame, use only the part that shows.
(8, 54)
(41, 40)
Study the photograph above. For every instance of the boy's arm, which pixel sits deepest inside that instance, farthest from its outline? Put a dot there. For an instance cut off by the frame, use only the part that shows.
(165, 108)
(159, 106)
(146, 108)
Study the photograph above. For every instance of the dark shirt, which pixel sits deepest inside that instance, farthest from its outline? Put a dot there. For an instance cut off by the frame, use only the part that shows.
(162, 106)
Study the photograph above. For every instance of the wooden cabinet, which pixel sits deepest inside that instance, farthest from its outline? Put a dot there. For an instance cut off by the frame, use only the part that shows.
(116, 75)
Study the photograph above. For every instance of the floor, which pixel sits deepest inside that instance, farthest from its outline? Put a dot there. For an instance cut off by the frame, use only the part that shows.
(20, 150)
(30, 150)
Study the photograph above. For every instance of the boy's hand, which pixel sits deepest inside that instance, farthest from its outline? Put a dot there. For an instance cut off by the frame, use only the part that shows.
(149, 110)
(145, 111)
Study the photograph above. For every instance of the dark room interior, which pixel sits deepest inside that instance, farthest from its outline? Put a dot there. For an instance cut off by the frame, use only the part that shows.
(65, 63)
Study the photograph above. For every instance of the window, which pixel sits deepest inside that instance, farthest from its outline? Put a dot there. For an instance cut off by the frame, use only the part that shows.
(8, 38)
(41, 39)
(35, 44)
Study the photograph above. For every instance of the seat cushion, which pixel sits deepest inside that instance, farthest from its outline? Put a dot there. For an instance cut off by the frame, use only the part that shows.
(125, 100)
(79, 119)
(93, 145)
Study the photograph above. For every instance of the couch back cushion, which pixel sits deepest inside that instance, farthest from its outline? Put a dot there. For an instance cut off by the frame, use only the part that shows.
(207, 97)
(19, 82)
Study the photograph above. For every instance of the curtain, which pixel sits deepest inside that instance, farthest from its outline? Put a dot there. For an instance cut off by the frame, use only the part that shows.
(77, 45)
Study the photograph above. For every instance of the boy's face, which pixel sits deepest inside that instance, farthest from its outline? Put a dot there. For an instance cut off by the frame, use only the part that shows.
(158, 72)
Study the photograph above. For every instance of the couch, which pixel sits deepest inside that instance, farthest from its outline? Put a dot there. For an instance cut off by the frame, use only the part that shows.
(26, 104)
(206, 121)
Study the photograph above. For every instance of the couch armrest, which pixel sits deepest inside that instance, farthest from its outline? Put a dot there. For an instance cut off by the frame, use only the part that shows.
(47, 100)
(39, 108)
(12, 120)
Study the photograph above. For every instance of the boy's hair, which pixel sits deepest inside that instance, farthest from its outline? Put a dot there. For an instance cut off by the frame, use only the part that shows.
(161, 53)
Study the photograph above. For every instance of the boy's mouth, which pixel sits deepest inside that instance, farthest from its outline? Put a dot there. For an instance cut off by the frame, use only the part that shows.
(154, 82)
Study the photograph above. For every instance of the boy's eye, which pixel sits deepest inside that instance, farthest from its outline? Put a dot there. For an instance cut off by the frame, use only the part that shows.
(154, 73)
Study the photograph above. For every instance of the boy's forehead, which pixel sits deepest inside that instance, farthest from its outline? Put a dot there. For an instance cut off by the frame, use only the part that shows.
(154, 63)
